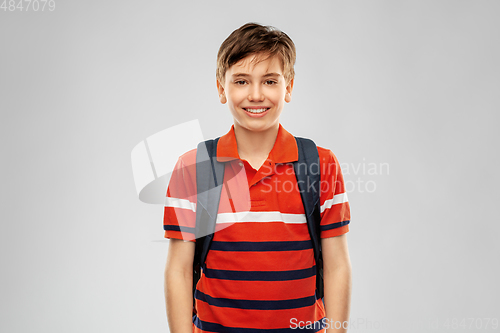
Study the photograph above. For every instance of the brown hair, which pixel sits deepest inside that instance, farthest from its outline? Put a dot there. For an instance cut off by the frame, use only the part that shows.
(253, 38)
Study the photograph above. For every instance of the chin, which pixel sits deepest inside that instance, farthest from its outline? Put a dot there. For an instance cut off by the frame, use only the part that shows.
(261, 128)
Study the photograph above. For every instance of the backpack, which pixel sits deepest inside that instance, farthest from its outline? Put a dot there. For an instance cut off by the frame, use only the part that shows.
(209, 178)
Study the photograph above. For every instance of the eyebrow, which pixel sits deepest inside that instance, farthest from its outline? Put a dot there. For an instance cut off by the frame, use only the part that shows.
(246, 75)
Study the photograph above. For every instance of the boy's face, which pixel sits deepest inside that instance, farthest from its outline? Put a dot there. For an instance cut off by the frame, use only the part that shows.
(255, 93)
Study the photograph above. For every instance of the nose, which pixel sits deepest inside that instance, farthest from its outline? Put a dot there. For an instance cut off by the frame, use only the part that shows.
(255, 93)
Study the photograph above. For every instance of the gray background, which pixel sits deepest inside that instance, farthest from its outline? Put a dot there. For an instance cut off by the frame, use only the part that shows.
(413, 84)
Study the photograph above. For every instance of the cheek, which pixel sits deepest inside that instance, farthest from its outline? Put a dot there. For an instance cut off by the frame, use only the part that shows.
(236, 96)
(278, 97)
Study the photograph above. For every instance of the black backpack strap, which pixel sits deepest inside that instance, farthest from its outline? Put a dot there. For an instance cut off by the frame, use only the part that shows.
(209, 178)
(307, 171)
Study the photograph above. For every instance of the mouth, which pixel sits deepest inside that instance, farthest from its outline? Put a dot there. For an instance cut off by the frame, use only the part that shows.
(255, 110)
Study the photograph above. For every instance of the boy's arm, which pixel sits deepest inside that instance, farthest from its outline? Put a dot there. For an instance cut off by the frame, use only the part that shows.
(337, 279)
(179, 285)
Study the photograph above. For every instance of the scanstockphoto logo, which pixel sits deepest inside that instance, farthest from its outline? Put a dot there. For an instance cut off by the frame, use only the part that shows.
(154, 159)
(361, 177)
(468, 324)
(156, 166)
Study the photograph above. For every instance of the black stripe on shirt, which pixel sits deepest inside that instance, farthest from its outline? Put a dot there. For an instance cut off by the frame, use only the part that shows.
(178, 228)
(259, 275)
(256, 304)
(333, 225)
(261, 246)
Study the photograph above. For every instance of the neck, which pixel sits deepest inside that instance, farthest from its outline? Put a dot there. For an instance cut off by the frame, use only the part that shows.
(255, 145)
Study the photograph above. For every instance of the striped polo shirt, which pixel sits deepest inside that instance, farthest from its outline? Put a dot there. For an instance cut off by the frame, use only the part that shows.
(260, 273)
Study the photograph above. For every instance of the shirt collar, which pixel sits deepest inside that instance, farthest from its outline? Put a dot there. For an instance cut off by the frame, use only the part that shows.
(284, 150)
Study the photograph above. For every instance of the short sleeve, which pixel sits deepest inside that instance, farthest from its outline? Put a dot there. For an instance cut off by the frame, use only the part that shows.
(179, 218)
(335, 210)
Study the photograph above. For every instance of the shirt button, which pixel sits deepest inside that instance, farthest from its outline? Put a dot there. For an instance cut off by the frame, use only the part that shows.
(241, 164)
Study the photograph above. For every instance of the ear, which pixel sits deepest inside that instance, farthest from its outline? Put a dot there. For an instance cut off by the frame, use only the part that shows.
(222, 94)
(288, 94)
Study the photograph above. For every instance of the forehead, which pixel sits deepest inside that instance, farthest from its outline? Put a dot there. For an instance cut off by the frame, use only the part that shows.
(257, 63)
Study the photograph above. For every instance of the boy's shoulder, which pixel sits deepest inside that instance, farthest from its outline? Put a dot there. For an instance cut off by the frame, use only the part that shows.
(326, 155)
(189, 157)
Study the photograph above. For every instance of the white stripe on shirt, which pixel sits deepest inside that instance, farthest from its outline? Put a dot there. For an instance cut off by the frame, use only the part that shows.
(180, 203)
(339, 198)
(262, 216)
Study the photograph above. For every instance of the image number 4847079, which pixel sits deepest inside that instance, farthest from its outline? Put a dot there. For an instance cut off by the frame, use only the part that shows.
(28, 5)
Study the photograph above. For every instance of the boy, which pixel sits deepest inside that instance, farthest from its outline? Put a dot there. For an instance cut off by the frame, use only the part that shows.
(260, 273)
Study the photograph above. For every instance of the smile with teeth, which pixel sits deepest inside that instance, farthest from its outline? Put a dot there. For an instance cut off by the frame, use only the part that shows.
(256, 110)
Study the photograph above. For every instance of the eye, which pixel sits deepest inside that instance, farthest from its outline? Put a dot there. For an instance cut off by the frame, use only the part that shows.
(239, 82)
(271, 82)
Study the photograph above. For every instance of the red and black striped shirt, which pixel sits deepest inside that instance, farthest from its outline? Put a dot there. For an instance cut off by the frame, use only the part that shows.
(260, 270)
